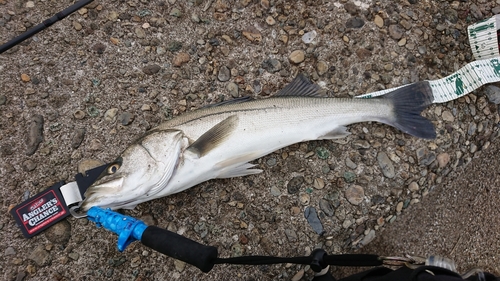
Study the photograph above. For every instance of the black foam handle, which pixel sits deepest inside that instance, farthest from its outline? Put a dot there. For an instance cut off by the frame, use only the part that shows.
(180, 247)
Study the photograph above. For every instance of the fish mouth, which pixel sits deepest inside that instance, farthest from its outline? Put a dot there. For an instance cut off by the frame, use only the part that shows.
(105, 194)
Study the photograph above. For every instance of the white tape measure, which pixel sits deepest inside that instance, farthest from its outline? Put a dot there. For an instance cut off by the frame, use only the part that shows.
(484, 42)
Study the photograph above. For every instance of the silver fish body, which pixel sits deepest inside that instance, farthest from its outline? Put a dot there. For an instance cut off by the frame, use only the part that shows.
(220, 141)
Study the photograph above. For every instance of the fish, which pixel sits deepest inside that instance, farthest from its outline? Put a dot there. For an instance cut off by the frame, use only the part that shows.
(221, 140)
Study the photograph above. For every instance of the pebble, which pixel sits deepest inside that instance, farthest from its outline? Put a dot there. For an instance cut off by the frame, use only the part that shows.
(395, 31)
(30, 4)
(78, 137)
(146, 107)
(295, 184)
(3, 99)
(399, 207)
(319, 183)
(270, 20)
(298, 275)
(425, 157)
(35, 134)
(349, 177)
(368, 238)
(413, 187)
(126, 118)
(179, 265)
(322, 153)
(321, 67)
(25, 77)
(93, 111)
(175, 12)
(291, 235)
(9, 251)
(309, 37)
(79, 114)
(491, 91)
(379, 21)
(355, 22)
(224, 74)
(233, 89)
(77, 26)
(304, 198)
(386, 164)
(271, 65)
(110, 114)
(151, 69)
(174, 46)
(252, 34)
(312, 218)
(180, 59)
(349, 163)
(363, 53)
(140, 33)
(355, 194)
(29, 165)
(297, 56)
(326, 207)
(74, 256)
(275, 191)
(448, 116)
(40, 256)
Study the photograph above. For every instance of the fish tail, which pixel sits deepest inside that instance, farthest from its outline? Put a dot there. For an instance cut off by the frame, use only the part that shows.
(409, 101)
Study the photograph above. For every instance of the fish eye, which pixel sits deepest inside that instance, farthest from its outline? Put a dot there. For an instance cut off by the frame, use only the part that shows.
(113, 168)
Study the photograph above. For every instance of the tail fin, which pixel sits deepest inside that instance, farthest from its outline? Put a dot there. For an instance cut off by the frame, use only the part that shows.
(409, 101)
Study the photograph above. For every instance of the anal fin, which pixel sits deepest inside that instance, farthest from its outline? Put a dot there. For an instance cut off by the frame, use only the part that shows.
(239, 171)
(238, 166)
(338, 133)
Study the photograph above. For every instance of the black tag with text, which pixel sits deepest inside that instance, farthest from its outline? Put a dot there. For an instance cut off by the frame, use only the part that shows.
(41, 211)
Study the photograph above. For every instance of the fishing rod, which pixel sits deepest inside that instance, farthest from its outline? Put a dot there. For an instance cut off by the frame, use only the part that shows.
(46, 23)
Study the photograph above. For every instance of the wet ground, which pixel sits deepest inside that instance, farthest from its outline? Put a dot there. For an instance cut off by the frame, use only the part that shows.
(81, 91)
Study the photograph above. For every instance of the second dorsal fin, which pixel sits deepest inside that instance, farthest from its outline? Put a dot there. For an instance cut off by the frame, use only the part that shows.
(300, 87)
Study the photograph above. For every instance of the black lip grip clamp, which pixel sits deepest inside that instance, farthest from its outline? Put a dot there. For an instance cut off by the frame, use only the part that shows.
(205, 257)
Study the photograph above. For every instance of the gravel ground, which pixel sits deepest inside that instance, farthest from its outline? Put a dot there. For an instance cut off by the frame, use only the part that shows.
(81, 91)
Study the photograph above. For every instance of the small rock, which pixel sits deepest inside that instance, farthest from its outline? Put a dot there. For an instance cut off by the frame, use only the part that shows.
(395, 31)
(151, 69)
(297, 56)
(271, 65)
(413, 186)
(25, 77)
(146, 107)
(275, 191)
(304, 199)
(174, 46)
(298, 276)
(319, 183)
(110, 114)
(363, 53)
(291, 235)
(9, 251)
(309, 37)
(140, 33)
(77, 26)
(349, 163)
(368, 238)
(126, 118)
(492, 91)
(79, 114)
(321, 67)
(29, 165)
(349, 177)
(326, 207)
(386, 164)
(270, 20)
(355, 194)
(180, 59)
(233, 89)
(175, 12)
(399, 207)
(179, 265)
(30, 4)
(252, 34)
(74, 256)
(40, 256)
(3, 99)
(448, 116)
(35, 134)
(78, 137)
(224, 74)
(379, 21)
(355, 22)
(313, 220)
(425, 157)
(443, 159)
(99, 48)
(295, 184)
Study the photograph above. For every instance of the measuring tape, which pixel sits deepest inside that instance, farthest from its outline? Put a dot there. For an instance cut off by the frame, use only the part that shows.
(484, 42)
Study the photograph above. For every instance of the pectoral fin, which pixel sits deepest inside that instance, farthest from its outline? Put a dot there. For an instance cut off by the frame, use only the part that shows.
(214, 137)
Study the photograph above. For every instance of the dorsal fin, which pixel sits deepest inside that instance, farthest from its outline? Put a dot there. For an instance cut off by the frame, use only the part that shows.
(300, 86)
(226, 102)
(215, 136)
